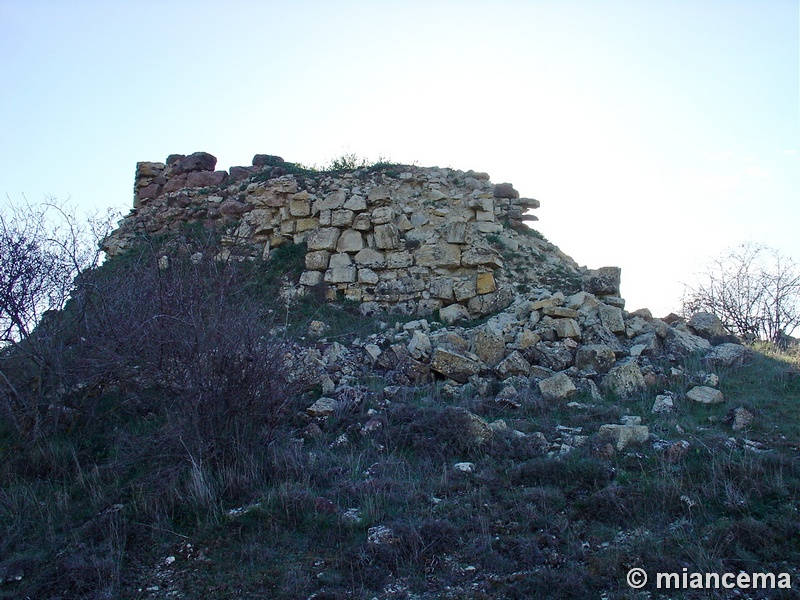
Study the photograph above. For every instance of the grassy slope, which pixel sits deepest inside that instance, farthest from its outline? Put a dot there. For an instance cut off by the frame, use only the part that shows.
(89, 512)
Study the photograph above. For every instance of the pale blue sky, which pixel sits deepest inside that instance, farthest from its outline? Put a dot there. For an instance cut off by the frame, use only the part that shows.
(655, 133)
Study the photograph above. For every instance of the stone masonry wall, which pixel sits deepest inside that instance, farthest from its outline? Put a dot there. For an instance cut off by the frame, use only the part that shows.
(405, 237)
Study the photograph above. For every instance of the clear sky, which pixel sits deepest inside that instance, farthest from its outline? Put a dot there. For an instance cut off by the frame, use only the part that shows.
(655, 133)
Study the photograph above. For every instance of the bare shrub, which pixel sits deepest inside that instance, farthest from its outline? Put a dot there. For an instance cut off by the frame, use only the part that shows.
(753, 289)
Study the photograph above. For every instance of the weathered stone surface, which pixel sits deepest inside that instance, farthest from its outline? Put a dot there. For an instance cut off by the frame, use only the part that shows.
(347, 274)
(453, 313)
(232, 207)
(464, 289)
(310, 278)
(493, 302)
(595, 357)
(505, 190)
(706, 325)
(370, 258)
(603, 282)
(387, 237)
(419, 345)
(476, 256)
(199, 161)
(324, 407)
(624, 380)
(682, 343)
(266, 160)
(317, 260)
(567, 328)
(324, 238)
(557, 387)
(664, 403)
(611, 318)
(729, 355)
(206, 178)
(455, 365)
(489, 346)
(485, 283)
(438, 255)
(513, 364)
(624, 435)
(350, 241)
(705, 395)
(741, 418)
(342, 218)
(456, 233)
(382, 215)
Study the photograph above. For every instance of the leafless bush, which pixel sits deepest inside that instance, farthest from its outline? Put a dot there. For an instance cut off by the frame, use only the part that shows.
(753, 289)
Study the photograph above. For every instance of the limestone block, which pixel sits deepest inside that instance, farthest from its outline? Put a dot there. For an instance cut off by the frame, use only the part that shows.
(418, 219)
(487, 227)
(624, 435)
(288, 227)
(362, 222)
(513, 364)
(356, 202)
(403, 224)
(367, 276)
(342, 217)
(379, 193)
(485, 283)
(682, 343)
(310, 278)
(436, 195)
(324, 407)
(505, 190)
(399, 260)
(557, 387)
(729, 355)
(367, 257)
(481, 255)
(705, 395)
(706, 325)
(595, 357)
(323, 239)
(567, 328)
(300, 208)
(560, 312)
(438, 255)
(624, 380)
(317, 260)
(453, 313)
(611, 317)
(382, 215)
(489, 346)
(387, 236)
(420, 345)
(455, 365)
(441, 287)
(331, 201)
(341, 274)
(325, 217)
(603, 282)
(340, 260)
(484, 216)
(350, 241)
(464, 289)
(493, 302)
(305, 225)
(456, 233)
(526, 338)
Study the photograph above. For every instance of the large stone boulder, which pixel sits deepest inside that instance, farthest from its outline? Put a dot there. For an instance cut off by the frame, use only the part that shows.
(557, 387)
(706, 325)
(729, 355)
(455, 365)
(625, 380)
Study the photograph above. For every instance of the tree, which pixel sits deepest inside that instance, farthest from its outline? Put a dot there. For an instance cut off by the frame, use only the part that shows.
(753, 289)
(43, 251)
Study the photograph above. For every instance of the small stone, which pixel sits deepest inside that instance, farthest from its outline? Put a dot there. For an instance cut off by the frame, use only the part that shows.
(664, 403)
(464, 467)
(324, 407)
(705, 395)
(624, 435)
(557, 387)
(742, 419)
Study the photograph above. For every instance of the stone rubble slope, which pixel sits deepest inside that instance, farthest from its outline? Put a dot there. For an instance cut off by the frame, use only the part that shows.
(439, 244)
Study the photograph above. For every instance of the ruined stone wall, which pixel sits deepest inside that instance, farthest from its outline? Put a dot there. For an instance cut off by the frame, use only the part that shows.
(416, 239)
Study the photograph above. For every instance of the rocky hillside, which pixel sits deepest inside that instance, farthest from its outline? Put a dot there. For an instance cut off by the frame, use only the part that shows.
(379, 383)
